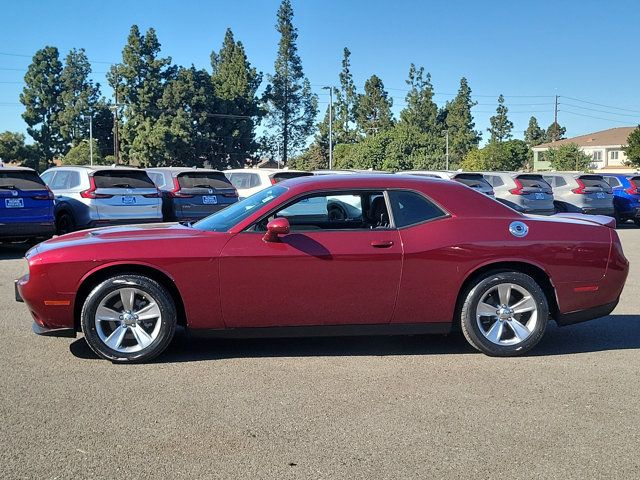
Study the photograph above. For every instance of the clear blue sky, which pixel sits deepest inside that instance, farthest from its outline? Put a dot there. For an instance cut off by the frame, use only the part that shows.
(584, 49)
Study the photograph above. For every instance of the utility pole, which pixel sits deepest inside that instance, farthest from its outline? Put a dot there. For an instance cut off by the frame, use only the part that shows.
(114, 108)
(330, 126)
(555, 121)
(446, 133)
(90, 138)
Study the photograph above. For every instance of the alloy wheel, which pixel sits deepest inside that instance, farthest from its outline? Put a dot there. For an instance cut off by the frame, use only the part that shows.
(507, 314)
(128, 320)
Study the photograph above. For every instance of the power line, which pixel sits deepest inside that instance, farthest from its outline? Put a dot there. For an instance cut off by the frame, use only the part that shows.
(6, 54)
(600, 104)
(618, 121)
(600, 111)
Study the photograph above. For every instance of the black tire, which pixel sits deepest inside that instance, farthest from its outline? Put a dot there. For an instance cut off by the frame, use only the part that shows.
(148, 286)
(481, 287)
(560, 207)
(637, 222)
(65, 223)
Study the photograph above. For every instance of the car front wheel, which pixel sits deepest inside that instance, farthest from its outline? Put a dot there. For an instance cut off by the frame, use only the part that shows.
(504, 314)
(128, 318)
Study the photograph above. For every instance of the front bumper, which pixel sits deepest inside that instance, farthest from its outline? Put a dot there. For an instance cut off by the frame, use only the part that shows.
(53, 332)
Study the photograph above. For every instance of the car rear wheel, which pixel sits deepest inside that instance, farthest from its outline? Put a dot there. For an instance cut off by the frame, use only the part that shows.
(64, 223)
(637, 222)
(504, 314)
(128, 318)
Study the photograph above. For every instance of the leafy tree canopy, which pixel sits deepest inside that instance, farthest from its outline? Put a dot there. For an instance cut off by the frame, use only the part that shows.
(633, 148)
(568, 157)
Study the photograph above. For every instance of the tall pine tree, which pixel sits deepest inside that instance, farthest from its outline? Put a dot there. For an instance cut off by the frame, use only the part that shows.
(459, 122)
(373, 114)
(41, 98)
(291, 105)
(421, 111)
(235, 84)
(555, 132)
(501, 126)
(79, 96)
(140, 81)
(346, 102)
(534, 135)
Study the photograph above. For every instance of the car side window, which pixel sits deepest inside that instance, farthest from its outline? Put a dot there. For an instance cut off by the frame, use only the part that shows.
(255, 180)
(157, 179)
(73, 180)
(61, 180)
(613, 181)
(47, 177)
(497, 181)
(411, 208)
(334, 211)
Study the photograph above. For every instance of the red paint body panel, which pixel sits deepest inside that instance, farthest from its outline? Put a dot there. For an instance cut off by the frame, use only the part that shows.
(235, 279)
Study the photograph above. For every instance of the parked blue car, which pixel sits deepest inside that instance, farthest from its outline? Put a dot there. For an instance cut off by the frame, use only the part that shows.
(626, 200)
(26, 206)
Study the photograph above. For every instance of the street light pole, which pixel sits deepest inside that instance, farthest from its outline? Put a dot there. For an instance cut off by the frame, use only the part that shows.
(446, 133)
(91, 139)
(330, 126)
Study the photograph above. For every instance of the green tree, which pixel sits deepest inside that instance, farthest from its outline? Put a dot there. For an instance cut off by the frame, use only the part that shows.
(140, 81)
(291, 105)
(555, 132)
(346, 103)
(235, 84)
(632, 150)
(568, 157)
(511, 155)
(501, 126)
(14, 150)
(80, 154)
(41, 98)
(458, 120)
(534, 135)
(78, 95)
(421, 111)
(313, 158)
(373, 113)
(102, 119)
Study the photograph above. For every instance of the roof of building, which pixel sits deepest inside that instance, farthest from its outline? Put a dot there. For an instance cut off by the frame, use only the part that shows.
(603, 138)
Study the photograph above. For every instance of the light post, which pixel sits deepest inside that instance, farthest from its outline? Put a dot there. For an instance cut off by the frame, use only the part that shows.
(330, 126)
(90, 138)
(446, 156)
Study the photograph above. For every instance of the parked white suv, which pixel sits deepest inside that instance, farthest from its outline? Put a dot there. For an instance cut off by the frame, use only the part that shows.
(251, 180)
(89, 197)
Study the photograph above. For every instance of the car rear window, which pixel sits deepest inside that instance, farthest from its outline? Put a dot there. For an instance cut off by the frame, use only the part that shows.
(280, 176)
(635, 181)
(594, 181)
(122, 179)
(473, 180)
(22, 180)
(203, 180)
(533, 181)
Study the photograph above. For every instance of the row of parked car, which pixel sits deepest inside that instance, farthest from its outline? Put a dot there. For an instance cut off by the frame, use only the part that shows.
(68, 198)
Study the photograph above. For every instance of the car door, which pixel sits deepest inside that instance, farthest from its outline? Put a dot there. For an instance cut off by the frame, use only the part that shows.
(329, 270)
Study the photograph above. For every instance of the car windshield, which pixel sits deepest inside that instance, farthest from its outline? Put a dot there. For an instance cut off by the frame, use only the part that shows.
(225, 219)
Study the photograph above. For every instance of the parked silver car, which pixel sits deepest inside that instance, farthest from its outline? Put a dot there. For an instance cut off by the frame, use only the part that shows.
(524, 192)
(89, 197)
(581, 193)
(470, 179)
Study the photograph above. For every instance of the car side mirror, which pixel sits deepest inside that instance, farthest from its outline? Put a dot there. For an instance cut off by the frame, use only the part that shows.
(275, 228)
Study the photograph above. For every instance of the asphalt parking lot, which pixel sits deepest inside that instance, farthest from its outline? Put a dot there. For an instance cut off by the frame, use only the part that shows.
(361, 408)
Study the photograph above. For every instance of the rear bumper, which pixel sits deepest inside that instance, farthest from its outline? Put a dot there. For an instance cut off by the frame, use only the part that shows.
(564, 319)
(608, 212)
(129, 221)
(24, 230)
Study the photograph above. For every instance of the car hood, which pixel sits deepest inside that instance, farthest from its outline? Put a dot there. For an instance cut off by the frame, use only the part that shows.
(128, 233)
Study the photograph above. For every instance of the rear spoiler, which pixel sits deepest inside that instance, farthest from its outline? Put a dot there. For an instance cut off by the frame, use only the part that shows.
(595, 219)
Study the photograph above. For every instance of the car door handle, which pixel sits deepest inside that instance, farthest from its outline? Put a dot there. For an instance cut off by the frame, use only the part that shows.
(381, 243)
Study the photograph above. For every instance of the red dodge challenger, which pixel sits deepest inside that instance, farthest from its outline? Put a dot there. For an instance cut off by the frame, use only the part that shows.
(330, 255)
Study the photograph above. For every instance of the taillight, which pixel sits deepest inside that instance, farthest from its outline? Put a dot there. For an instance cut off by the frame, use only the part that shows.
(632, 190)
(47, 196)
(176, 192)
(581, 187)
(91, 192)
(273, 181)
(519, 188)
(231, 194)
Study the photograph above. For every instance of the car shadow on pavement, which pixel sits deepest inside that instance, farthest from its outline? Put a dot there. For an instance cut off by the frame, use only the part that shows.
(13, 252)
(615, 332)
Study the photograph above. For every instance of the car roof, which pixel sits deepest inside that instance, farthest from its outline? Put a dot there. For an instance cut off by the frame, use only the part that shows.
(360, 180)
(262, 170)
(177, 170)
(96, 168)
(11, 168)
